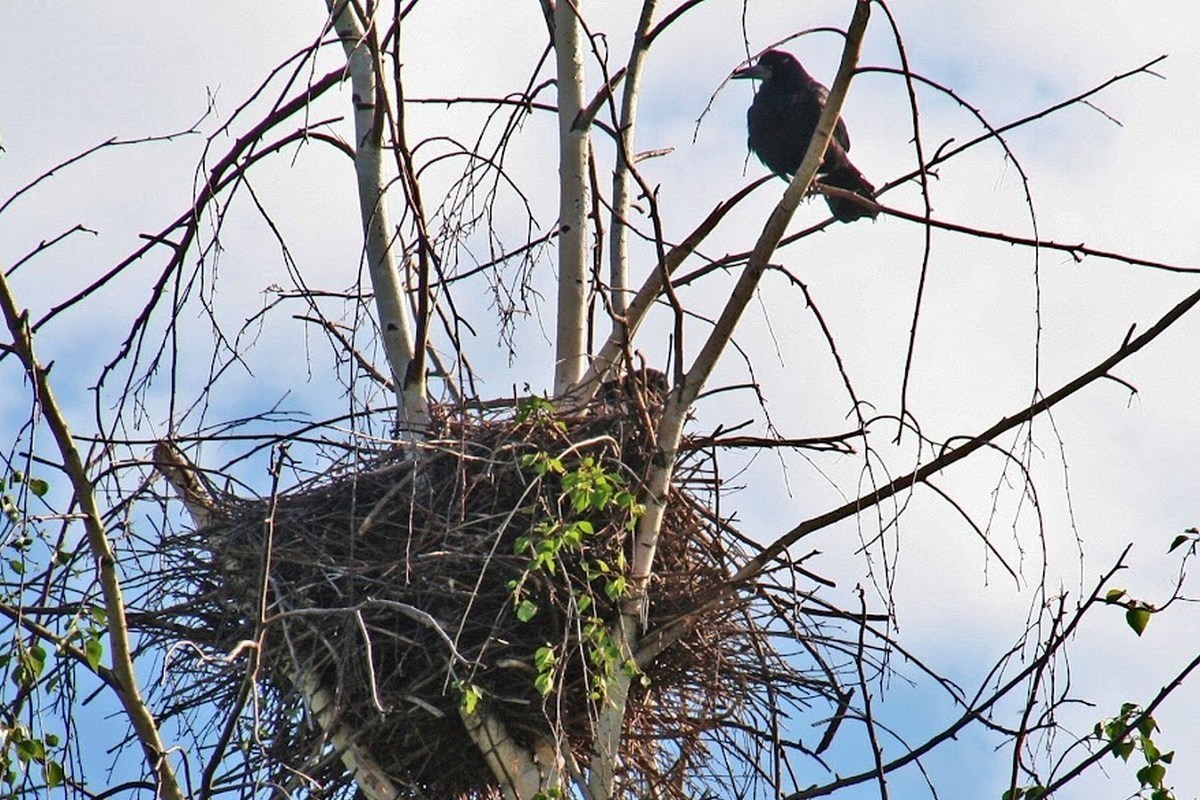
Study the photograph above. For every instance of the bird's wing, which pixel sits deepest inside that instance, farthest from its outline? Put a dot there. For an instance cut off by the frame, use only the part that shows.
(840, 134)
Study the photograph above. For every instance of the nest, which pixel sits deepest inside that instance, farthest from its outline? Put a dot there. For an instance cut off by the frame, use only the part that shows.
(402, 585)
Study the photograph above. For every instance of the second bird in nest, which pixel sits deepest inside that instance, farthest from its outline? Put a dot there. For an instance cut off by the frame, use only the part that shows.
(782, 120)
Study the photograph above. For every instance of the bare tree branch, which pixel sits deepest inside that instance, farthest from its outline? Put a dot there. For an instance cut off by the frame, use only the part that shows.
(670, 429)
(124, 676)
(183, 477)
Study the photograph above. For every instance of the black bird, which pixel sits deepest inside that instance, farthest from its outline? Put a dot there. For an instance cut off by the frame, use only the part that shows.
(782, 120)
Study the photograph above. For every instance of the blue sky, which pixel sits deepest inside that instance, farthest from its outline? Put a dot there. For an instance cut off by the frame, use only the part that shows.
(75, 76)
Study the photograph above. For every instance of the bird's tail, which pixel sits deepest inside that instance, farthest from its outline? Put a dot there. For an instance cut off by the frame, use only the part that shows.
(847, 177)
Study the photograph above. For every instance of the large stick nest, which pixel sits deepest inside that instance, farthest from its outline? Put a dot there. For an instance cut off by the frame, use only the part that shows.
(391, 586)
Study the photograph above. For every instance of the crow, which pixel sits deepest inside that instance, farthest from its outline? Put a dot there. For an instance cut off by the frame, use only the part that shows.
(782, 120)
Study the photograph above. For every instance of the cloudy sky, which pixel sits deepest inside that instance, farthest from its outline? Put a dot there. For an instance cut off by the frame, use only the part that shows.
(997, 321)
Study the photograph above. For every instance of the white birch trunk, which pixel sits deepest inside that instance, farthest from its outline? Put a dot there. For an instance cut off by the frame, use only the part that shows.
(522, 774)
(618, 268)
(574, 199)
(379, 238)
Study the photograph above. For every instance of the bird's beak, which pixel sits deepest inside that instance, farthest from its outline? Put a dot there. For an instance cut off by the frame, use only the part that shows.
(757, 71)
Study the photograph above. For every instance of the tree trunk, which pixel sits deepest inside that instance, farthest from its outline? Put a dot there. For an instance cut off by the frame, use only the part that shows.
(361, 45)
(574, 199)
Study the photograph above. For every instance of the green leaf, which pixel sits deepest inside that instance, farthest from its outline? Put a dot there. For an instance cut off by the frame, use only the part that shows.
(1146, 726)
(543, 658)
(1150, 750)
(37, 658)
(534, 408)
(93, 649)
(17, 565)
(31, 750)
(53, 772)
(472, 694)
(1114, 595)
(39, 487)
(544, 683)
(1123, 750)
(572, 537)
(1181, 539)
(51, 740)
(526, 610)
(1152, 775)
(1138, 619)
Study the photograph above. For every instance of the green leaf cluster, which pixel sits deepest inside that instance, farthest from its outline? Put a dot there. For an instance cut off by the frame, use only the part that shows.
(21, 749)
(588, 489)
(8, 502)
(545, 662)
(539, 411)
(1131, 732)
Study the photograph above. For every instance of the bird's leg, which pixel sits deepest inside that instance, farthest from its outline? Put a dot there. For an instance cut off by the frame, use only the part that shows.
(869, 206)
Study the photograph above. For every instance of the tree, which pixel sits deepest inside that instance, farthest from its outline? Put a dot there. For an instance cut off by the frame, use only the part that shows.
(541, 594)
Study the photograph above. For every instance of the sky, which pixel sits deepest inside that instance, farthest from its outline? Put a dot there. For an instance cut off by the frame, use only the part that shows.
(997, 323)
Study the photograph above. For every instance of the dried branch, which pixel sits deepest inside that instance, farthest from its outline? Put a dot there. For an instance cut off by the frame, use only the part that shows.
(184, 479)
(975, 710)
(609, 357)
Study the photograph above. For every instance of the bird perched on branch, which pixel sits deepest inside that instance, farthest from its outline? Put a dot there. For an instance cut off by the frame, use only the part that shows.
(782, 120)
